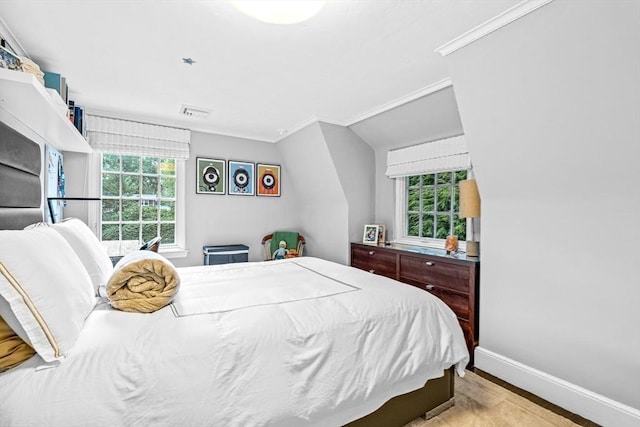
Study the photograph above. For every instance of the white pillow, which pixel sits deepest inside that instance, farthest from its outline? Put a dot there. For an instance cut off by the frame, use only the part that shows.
(89, 249)
(47, 290)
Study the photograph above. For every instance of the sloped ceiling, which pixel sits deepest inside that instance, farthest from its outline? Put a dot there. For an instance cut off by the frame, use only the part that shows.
(260, 81)
(434, 116)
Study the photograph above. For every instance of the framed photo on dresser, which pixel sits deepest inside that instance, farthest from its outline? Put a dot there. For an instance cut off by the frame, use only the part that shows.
(370, 234)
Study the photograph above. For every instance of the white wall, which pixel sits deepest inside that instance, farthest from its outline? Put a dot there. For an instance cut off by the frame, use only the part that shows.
(550, 105)
(320, 201)
(230, 219)
(354, 161)
(75, 172)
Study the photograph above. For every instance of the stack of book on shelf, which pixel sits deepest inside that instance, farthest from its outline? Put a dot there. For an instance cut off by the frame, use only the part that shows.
(75, 113)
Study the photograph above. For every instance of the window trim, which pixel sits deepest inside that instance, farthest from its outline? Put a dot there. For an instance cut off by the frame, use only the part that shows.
(94, 176)
(400, 222)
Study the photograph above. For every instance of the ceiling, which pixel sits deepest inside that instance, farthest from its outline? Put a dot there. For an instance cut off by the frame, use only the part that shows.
(259, 81)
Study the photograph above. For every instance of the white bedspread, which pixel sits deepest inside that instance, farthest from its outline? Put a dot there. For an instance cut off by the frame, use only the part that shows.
(323, 361)
(237, 286)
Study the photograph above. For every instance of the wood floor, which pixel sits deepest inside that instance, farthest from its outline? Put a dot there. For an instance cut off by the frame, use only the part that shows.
(484, 403)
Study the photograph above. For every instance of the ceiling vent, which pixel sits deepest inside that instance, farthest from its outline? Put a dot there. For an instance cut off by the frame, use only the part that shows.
(195, 112)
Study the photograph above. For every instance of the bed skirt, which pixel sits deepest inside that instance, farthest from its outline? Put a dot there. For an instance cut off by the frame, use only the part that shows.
(433, 398)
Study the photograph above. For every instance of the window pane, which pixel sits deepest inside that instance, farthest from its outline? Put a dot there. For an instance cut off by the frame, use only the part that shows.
(427, 226)
(168, 233)
(110, 184)
(131, 232)
(149, 210)
(460, 175)
(460, 227)
(130, 185)
(111, 162)
(110, 232)
(130, 210)
(444, 177)
(444, 199)
(150, 186)
(150, 165)
(168, 187)
(413, 200)
(428, 179)
(413, 225)
(110, 210)
(432, 205)
(428, 198)
(149, 231)
(443, 226)
(168, 167)
(167, 211)
(133, 187)
(130, 164)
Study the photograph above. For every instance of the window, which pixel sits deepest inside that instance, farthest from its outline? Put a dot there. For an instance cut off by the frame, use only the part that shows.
(139, 198)
(429, 208)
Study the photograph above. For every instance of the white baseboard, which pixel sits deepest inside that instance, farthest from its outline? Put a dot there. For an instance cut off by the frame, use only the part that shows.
(571, 397)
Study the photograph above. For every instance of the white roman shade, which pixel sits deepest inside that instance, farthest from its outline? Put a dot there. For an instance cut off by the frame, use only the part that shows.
(436, 156)
(134, 138)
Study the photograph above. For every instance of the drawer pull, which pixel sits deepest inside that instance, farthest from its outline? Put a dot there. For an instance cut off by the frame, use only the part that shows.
(429, 263)
(429, 287)
(372, 271)
(372, 253)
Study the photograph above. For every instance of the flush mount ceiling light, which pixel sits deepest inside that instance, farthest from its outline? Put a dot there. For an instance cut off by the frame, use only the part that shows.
(280, 11)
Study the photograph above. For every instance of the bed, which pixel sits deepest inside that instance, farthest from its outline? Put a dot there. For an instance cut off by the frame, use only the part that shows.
(294, 342)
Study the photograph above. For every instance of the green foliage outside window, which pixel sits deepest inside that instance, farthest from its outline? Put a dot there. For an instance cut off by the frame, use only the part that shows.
(138, 198)
(433, 205)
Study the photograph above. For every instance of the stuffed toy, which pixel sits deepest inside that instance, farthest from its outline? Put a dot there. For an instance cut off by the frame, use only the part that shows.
(282, 251)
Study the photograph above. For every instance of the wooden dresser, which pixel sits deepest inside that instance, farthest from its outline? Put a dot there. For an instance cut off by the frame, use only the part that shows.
(455, 280)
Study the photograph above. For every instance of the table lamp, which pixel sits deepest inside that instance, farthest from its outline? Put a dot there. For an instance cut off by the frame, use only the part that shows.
(470, 208)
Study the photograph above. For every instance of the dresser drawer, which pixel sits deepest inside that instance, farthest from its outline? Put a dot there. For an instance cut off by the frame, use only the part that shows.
(374, 260)
(458, 302)
(420, 271)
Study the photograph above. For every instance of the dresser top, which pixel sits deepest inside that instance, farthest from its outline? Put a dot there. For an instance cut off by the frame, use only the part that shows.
(424, 251)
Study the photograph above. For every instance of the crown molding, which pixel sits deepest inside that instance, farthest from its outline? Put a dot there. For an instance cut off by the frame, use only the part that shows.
(232, 134)
(493, 24)
(295, 128)
(427, 90)
(303, 124)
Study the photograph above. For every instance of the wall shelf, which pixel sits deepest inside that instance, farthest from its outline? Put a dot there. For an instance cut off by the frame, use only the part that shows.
(26, 106)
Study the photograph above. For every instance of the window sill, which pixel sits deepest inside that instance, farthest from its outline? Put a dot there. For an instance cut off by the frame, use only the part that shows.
(430, 243)
(173, 252)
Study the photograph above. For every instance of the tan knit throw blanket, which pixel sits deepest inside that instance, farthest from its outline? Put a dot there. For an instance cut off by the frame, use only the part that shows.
(142, 282)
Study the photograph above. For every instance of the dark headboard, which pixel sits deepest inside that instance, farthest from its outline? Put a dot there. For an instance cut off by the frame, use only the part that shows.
(20, 186)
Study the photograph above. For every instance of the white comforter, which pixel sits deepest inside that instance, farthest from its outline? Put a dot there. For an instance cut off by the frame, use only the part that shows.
(324, 360)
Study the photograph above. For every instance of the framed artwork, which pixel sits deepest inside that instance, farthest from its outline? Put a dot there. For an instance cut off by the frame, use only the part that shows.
(242, 178)
(268, 182)
(210, 176)
(370, 234)
(382, 231)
